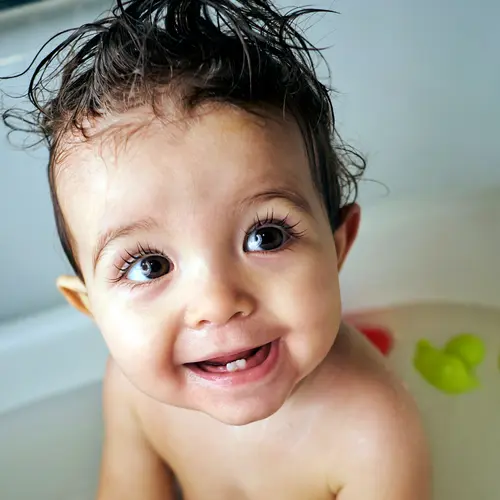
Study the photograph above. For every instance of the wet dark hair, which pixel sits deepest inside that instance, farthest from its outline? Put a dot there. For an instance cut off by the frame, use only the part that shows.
(245, 53)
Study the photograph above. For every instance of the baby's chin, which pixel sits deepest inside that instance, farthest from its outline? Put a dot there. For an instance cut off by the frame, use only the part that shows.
(236, 411)
(243, 414)
(245, 411)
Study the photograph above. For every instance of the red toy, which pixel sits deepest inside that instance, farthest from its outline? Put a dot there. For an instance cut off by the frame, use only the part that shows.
(380, 337)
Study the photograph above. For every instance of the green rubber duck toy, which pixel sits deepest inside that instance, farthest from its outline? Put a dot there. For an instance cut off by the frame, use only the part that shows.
(450, 369)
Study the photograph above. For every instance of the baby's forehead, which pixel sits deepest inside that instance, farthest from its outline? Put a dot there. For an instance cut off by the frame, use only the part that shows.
(106, 141)
(139, 151)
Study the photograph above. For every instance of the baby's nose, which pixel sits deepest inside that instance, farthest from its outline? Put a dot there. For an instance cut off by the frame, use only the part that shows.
(216, 300)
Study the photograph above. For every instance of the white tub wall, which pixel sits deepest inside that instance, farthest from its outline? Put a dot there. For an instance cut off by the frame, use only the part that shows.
(418, 89)
(433, 248)
(47, 354)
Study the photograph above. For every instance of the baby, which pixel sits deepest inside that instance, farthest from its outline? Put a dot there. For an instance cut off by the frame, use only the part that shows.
(206, 204)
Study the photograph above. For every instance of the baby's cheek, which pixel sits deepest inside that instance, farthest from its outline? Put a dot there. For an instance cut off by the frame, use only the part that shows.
(133, 340)
(310, 305)
(314, 286)
(319, 307)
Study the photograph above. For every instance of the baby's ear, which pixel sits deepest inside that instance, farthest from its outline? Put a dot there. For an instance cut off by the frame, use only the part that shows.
(75, 293)
(346, 233)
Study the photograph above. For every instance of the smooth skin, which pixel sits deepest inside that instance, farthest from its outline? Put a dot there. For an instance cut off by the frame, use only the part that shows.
(329, 420)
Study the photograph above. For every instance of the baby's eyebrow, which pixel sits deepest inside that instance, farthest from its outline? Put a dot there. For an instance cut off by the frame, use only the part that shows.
(281, 193)
(105, 238)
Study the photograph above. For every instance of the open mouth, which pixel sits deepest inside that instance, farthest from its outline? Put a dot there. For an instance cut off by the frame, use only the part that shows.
(241, 361)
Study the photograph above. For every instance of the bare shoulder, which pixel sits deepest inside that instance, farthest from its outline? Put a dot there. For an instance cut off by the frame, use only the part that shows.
(130, 466)
(383, 449)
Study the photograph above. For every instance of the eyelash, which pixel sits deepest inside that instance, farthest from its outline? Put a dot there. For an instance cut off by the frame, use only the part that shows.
(270, 219)
(128, 260)
(131, 258)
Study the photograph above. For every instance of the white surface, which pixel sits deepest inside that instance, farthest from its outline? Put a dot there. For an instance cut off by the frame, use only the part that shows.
(426, 248)
(48, 354)
(50, 451)
(463, 430)
(418, 93)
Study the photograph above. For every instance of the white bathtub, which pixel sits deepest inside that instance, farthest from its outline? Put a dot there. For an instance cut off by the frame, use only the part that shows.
(409, 252)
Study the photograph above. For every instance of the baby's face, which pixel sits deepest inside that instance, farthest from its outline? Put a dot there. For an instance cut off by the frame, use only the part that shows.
(209, 263)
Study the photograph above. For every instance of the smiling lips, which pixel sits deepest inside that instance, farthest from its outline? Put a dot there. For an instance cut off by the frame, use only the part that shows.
(243, 360)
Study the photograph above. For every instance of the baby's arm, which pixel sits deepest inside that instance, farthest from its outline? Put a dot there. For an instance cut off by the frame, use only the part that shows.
(130, 468)
(392, 462)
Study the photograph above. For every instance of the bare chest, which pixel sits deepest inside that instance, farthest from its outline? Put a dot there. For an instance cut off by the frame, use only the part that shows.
(236, 464)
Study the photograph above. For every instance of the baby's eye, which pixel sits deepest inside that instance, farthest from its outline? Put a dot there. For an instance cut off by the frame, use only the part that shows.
(149, 268)
(266, 239)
